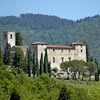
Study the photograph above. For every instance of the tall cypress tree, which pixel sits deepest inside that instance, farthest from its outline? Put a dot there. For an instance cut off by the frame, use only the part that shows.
(18, 39)
(41, 64)
(46, 62)
(25, 64)
(97, 73)
(7, 55)
(88, 57)
(1, 57)
(29, 63)
(34, 66)
(37, 68)
(49, 69)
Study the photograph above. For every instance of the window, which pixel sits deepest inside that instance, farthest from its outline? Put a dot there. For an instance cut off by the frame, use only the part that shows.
(53, 59)
(69, 59)
(53, 50)
(81, 50)
(62, 59)
(61, 50)
(69, 50)
(10, 36)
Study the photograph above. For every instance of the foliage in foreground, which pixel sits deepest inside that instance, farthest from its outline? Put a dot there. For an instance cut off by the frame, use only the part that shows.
(44, 87)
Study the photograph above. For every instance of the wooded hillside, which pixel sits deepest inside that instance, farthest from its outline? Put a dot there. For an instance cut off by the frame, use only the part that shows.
(54, 30)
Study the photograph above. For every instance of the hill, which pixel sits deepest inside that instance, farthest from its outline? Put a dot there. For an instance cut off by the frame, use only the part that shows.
(55, 30)
(35, 21)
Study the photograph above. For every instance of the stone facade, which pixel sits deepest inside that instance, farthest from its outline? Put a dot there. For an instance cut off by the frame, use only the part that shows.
(60, 53)
(8, 37)
(56, 53)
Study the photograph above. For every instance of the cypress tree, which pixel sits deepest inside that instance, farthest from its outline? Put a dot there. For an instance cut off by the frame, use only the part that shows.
(7, 55)
(29, 63)
(1, 57)
(34, 66)
(18, 39)
(97, 73)
(37, 68)
(49, 69)
(46, 62)
(88, 57)
(41, 64)
(25, 64)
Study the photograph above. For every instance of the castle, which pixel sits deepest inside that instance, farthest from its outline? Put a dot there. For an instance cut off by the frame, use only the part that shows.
(56, 53)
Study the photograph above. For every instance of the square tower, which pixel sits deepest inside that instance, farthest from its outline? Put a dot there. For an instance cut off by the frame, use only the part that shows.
(8, 37)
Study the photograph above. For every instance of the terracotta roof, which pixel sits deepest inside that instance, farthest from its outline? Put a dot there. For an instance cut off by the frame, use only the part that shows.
(39, 43)
(60, 47)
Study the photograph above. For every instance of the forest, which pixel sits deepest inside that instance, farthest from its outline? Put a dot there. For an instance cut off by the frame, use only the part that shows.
(54, 30)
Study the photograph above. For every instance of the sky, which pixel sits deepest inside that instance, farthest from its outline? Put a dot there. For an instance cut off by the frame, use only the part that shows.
(69, 9)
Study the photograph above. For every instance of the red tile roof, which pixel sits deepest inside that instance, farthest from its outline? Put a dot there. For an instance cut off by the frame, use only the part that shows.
(60, 47)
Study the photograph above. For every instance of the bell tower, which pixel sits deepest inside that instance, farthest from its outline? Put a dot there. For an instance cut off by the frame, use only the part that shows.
(8, 37)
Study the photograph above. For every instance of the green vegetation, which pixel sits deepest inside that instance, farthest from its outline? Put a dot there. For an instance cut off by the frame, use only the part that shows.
(18, 39)
(85, 69)
(15, 84)
(18, 59)
(7, 54)
(44, 88)
(1, 57)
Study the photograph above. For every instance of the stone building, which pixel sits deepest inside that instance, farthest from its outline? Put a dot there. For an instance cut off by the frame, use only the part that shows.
(8, 37)
(56, 53)
(60, 53)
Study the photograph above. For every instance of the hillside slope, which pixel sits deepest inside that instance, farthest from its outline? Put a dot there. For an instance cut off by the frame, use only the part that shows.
(55, 30)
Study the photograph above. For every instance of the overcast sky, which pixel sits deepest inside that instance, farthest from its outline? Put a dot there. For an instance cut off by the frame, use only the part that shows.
(69, 9)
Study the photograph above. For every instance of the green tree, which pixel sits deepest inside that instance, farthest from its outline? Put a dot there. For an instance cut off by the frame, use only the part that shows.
(29, 63)
(65, 66)
(18, 59)
(92, 67)
(78, 66)
(25, 63)
(37, 68)
(18, 39)
(46, 62)
(88, 57)
(41, 64)
(1, 57)
(49, 69)
(97, 73)
(7, 55)
(34, 65)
